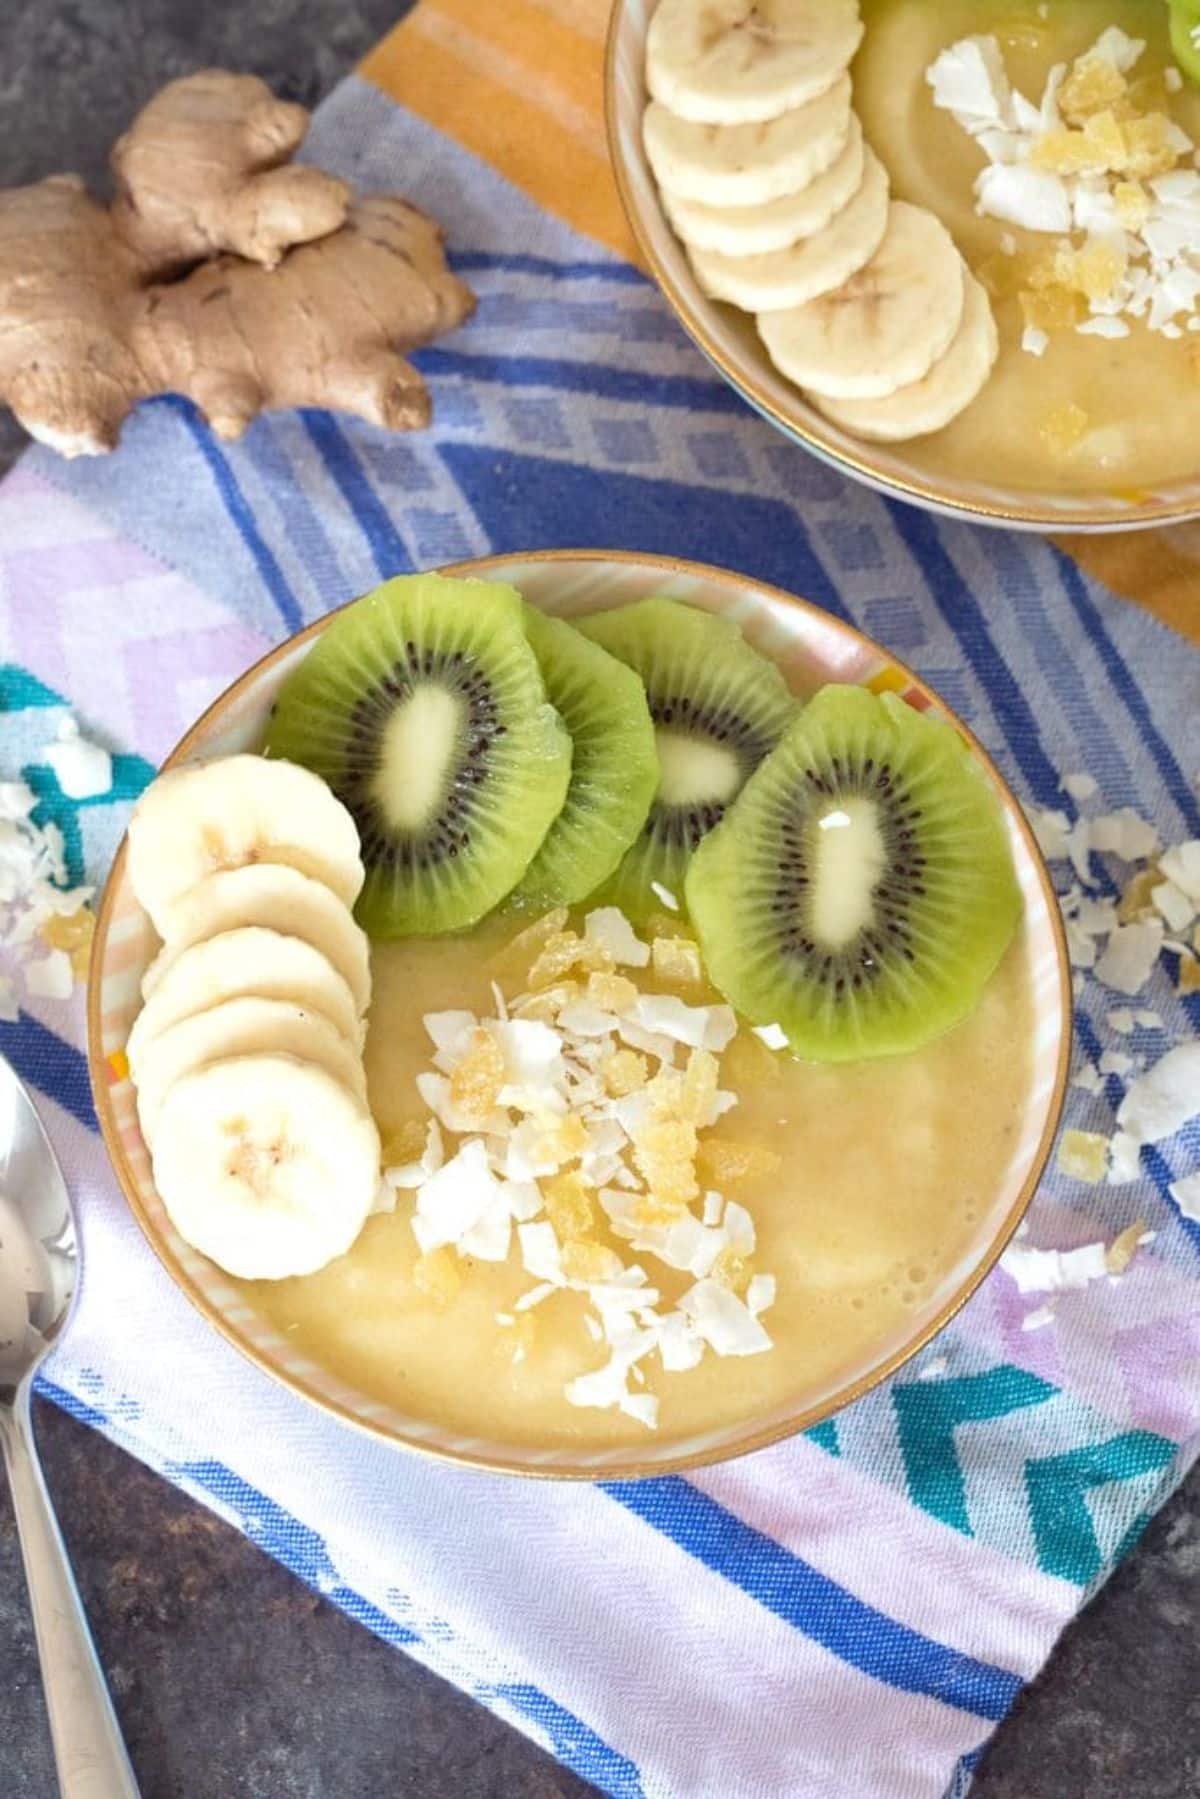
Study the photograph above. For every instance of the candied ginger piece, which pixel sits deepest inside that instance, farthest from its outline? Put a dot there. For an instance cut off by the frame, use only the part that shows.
(1093, 84)
(652, 1212)
(73, 932)
(1122, 1249)
(699, 1086)
(1083, 1155)
(664, 1153)
(1052, 308)
(1189, 974)
(1067, 152)
(1149, 145)
(518, 951)
(545, 1006)
(1132, 203)
(723, 1159)
(1062, 428)
(1136, 904)
(568, 1205)
(733, 1269)
(677, 959)
(615, 992)
(587, 1262)
(1099, 268)
(565, 950)
(478, 1075)
(405, 1144)
(437, 1274)
(624, 1071)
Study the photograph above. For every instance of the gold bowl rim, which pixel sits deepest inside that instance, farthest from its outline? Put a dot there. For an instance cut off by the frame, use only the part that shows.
(634, 1468)
(811, 434)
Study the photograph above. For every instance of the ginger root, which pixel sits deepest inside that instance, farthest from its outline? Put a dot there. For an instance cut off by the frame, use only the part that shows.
(315, 301)
(204, 168)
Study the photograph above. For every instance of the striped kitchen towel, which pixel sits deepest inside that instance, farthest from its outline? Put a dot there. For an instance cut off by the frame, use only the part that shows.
(845, 1616)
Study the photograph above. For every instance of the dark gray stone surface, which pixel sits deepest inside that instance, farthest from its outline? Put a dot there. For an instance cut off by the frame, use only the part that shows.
(232, 1680)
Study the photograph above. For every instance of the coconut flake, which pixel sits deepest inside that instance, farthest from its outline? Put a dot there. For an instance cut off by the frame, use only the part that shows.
(760, 1293)
(1177, 908)
(414, 1174)
(773, 1035)
(1054, 1270)
(1125, 834)
(1181, 865)
(1038, 1319)
(50, 977)
(664, 896)
(969, 80)
(1079, 786)
(456, 1198)
(727, 1326)
(1161, 1101)
(1130, 955)
(1186, 1194)
(609, 927)
(82, 769)
(1088, 1079)
(1124, 1160)
(1035, 199)
(700, 1027)
(541, 1254)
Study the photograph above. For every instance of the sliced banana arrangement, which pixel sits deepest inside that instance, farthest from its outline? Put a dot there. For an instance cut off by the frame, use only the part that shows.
(247, 1053)
(863, 301)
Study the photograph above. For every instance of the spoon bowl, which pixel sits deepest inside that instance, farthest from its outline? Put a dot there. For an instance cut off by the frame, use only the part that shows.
(39, 1278)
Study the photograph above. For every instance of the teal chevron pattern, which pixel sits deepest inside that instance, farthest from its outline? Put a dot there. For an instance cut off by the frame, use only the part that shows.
(1057, 1486)
(91, 828)
(929, 1412)
(130, 775)
(930, 1415)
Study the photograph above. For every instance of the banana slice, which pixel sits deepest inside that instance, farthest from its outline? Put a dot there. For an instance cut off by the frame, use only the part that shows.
(266, 1165)
(224, 814)
(244, 1027)
(756, 230)
(267, 893)
(746, 165)
(731, 62)
(950, 386)
(243, 964)
(814, 266)
(886, 326)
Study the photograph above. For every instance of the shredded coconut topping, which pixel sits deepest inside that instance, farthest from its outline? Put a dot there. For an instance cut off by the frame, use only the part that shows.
(577, 1116)
(1114, 183)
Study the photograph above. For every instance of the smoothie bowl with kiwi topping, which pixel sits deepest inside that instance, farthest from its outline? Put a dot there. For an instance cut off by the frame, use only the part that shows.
(584, 1044)
(954, 246)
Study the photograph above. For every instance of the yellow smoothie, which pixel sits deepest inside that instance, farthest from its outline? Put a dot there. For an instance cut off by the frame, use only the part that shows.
(1139, 395)
(884, 1168)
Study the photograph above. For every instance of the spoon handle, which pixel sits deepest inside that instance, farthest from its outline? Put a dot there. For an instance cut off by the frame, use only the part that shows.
(88, 1749)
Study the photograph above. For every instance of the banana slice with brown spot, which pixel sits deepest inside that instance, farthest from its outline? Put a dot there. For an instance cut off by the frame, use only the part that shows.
(939, 396)
(886, 326)
(745, 165)
(814, 266)
(244, 1027)
(732, 62)
(757, 230)
(237, 965)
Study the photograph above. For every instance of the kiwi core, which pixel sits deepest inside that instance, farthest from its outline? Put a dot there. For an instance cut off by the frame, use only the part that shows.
(418, 751)
(695, 772)
(849, 856)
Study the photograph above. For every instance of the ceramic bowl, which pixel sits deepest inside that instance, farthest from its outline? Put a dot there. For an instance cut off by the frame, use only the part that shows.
(729, 340)
(811, 647)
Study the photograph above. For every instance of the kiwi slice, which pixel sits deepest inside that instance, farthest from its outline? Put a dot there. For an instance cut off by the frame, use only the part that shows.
(718, 709)
(424, 708)
(614, 769)
(861, 891)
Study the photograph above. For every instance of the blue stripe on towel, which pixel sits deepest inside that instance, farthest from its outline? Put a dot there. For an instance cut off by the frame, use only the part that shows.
(641, 387)
(1134, 700)
(301, 1550)
(55, 1068)
(370, 514)
(814, 1604)
(236, 505)
(963, 614)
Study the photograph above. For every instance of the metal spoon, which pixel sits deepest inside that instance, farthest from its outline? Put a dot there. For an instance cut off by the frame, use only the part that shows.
(39, 1269)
